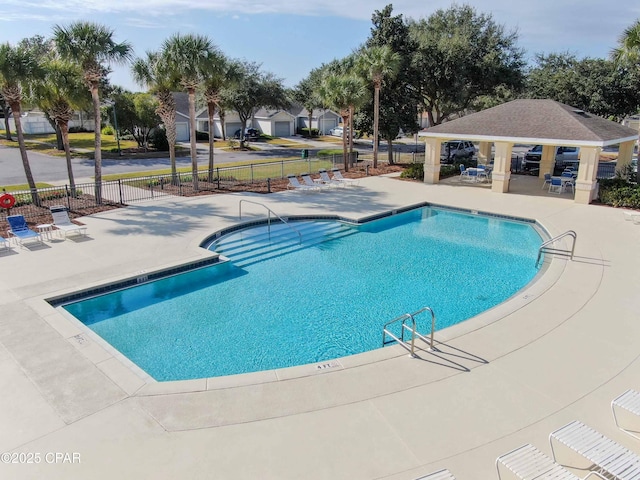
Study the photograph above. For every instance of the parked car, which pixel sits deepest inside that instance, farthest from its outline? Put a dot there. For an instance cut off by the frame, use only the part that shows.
(249, 134)
(337, 132)
(564, 156)
(456, 150)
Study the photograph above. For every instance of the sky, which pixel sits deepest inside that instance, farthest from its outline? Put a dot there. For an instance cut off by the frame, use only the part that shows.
(291, 37)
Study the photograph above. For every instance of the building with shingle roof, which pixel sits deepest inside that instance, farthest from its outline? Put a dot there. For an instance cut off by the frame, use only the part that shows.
(532, 121)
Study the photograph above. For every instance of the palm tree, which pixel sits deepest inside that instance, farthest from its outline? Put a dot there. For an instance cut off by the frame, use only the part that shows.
(215, 73)
(92, 48)
(154, 73)
(59, 93)
(628, 50)
(187, 55)
(378, 63)
(17, 66)
(343, 93)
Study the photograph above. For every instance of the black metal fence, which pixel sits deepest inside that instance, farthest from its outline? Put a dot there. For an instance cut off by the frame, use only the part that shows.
(83, 198)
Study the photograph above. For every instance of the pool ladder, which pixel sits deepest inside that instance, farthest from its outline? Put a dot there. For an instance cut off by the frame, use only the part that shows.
(546, 248)
(403, 320)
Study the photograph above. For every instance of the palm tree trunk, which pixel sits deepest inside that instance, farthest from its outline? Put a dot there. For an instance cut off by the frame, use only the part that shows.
(376, 121)
(23, 154)
(7, 130)
(310, 120)
(345, 122)
(97, 143)
(192, 138)
(211, 111)
(350, 128)
(64, 131)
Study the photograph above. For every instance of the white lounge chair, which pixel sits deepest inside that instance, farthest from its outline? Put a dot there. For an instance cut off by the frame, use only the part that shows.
(529, 463)
(629, 401)
(439, 475)
(308, 181)
(337, 176)
(62, 222)
(296, 185)
(324, 178)
(608, 457)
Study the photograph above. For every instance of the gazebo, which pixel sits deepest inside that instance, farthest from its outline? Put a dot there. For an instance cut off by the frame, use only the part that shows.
(537, 122)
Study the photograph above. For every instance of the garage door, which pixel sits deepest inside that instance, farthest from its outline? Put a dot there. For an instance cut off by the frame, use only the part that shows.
(231, 129)
(327, 124)
(283, 129)
(182, 132)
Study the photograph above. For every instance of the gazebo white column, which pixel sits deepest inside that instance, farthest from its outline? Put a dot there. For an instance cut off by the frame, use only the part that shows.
(587, 172)
(484, 153)
(501, 167)
(547, 160)
(432, 160)
(625, 155)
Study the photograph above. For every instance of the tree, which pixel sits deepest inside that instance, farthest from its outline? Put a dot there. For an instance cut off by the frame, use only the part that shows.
(17, 66)
(154, 73)
(252, 90)
(6, 111)
(306, 93)
(628, 51)
(136, 114)
(462, 56)
(186, 56)
(342, 92)
(596, 85)
(377, 64)
(217, 71)
(91, 46)
(58, 93)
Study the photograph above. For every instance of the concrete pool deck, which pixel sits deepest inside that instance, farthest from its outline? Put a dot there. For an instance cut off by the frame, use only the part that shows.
(560, 350)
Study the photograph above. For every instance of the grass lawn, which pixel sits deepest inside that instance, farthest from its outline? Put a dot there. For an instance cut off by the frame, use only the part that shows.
(18, 188)
(46, 143)
(272, 169)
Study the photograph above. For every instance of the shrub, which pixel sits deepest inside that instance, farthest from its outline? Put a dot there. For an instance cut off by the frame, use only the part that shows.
(415, 171)
(158, 139)
(202, 136)
(305, 132)
(77, 130)
(108, 130)
(618, 192)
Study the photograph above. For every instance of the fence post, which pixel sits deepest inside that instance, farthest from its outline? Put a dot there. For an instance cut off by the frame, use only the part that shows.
(150, 180)
(218, 175)
(66, 190)
(251, 173)
(281, 168)
(120, 191)
(268, 184)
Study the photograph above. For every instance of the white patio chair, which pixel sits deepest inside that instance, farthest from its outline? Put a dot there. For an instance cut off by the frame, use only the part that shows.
(308, 181)
(296, 185)
(62, 222)
(529, 463)
(629, 401)
(443, 474)
(608, 457)
(324, 178)
(337, 176)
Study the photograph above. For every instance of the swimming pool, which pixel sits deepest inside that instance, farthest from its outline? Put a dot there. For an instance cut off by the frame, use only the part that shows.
(308, 303)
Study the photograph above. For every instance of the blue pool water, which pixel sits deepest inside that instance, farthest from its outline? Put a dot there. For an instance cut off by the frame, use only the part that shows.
(318, 303)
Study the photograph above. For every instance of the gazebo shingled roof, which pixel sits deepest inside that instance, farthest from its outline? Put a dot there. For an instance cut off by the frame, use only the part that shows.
(535, 121)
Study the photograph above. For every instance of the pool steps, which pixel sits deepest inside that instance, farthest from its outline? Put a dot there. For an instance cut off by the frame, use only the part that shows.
(253, 245)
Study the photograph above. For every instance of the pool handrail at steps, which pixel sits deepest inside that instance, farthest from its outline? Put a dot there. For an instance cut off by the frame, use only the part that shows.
(412, 329)
(269, 216)
(544, 248)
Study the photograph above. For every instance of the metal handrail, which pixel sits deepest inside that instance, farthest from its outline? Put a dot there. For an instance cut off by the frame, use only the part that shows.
(269, 217)
(545, 245)
(412, 329)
